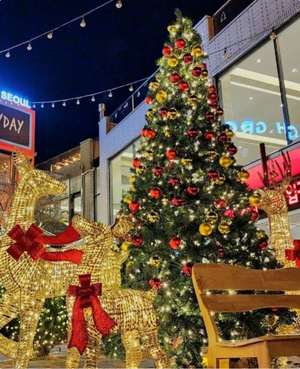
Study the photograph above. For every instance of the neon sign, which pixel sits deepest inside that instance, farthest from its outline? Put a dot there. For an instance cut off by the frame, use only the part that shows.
(14, 99)
(263, 128)
(293, 193)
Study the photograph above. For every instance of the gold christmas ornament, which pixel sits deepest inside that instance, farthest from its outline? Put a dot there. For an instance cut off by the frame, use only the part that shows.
(155, 261)
(261, 234)
(153, 217)
(172, 114)
(225, 161)
(186, 162)
(127, 198)
(197, 52)
(172, 61)
(172, 30)
(243, 176)
(229, 133)
(224, 228)
(205, 229)
(125, 246)
(212, 217)
(254, 200)
(153, 86)
(161, 96)
(167, 132)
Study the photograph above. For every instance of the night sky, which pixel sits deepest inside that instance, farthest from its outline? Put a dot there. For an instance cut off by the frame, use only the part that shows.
(116, 47)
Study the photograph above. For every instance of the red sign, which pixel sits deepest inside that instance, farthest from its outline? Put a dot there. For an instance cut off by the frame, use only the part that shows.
(293, 193)
(17, 128)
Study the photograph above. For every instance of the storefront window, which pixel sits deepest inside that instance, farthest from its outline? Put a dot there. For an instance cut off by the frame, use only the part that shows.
(252, 104)
(119, 177)
(290, 51)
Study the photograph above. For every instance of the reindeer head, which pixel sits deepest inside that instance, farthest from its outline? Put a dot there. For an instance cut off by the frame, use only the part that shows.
(86, 227)
(39, 182)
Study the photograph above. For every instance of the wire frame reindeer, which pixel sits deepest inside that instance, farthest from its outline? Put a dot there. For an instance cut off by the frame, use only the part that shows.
(276, 179)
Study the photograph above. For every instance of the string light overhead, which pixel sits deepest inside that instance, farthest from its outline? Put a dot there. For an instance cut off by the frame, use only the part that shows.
(49, 34)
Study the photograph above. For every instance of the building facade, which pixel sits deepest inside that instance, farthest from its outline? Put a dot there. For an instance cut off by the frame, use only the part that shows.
(254, 60)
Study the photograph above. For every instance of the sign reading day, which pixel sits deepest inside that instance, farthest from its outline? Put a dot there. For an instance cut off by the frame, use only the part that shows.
(16, 128)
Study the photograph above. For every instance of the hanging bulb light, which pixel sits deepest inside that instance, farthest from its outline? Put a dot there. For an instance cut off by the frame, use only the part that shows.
(110, 94)
(83, 23)
(50, 36)
(131, 88)
(29, 47)
(52, 105)
(42, 105)
(7, 54)
(119, 4)
(64, 103)
(33, 106)
(78, 102)
(93, 99)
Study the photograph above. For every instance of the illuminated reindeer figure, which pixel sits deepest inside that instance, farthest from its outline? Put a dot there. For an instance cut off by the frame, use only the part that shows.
(276, 180)
(132, 310)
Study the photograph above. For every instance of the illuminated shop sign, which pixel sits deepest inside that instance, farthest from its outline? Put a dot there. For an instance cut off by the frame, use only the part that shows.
(264, 128)
(15, 99)
(293, 193)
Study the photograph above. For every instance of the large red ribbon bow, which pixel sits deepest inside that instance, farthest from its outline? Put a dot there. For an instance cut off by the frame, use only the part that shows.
(294, 254)
(32, 241)
(87, 296)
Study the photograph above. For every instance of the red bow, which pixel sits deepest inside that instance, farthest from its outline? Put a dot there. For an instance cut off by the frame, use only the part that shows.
(32, 241)
(87, 296)
(294, 254)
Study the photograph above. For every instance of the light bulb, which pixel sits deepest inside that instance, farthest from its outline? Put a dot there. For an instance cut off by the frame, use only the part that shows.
(52, 105)
(7, 54)
(93, 99)
(64, 103)
(119, 4)
(131, 88)
(83, 23)
(110, 94)
(29, 47)
(42, 105)
(78, 102)
(50, 35)
(33, 106)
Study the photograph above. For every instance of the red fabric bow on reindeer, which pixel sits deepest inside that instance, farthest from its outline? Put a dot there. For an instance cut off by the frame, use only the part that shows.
(294, 254)
(87, 296)
(32, 241)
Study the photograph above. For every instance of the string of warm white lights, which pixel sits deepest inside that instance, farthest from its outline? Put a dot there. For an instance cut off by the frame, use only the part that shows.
(49, 34)
(92, 96)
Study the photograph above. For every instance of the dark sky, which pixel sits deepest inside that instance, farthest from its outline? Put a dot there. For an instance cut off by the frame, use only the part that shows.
(116, 47)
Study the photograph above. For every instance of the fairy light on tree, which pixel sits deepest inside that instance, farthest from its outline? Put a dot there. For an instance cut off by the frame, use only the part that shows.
(189, 199)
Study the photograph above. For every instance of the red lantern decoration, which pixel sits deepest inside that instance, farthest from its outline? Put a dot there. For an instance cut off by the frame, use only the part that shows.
(157, 171)
(171, 154)
(163, 112)
(192, 190)
(183, 86)
(193, 132)
(174, 78)
(187, 58)
(213, 175)
(220, 203)
(196, 72)
(149, 100)
(149, 133)
(134, 207)
(136, 163)
(209, 135)
(263, 245)
(177, 201)
(173, 181)
(232, 149)
(137, 241)
(222, 137)
(210, 116)
(180, 43)
(187, 269)
(155, 193)
(229, 213)
(174, 243)
(155, 284)
(167, 50)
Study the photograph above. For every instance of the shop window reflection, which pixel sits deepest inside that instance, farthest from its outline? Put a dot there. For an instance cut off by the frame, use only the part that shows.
(252, 104)
(120, 177)
(290, 51)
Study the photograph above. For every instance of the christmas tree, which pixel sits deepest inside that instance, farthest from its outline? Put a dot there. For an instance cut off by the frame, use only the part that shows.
(189, 199)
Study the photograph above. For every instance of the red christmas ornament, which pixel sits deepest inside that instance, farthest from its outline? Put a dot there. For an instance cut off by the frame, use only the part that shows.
(155, 283)
(232, 149)
(213, 175)
(157, 171)
(183, 86)
(167, 50)
(180, 43)
(192, 190)
(187, 269)
(263, 245)
(208, 135)
(254, 214)
(196, 72)
(173, 181)
(222, 137)
(213, 103)
(187, 58)
(174, 78)
(134, 207)
(170, 154)
(174, 243)
(193, 132)
(155, 193)
(211, 89)
(212, 96)
(163, 112)
(137, 241)
(149, 100)
(148, 132)
(209, 116)
(177, 201)
(229, 213)
(220, 203)
(136, 163)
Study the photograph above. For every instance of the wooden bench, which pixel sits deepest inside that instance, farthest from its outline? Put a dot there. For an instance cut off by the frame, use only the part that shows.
(226, 277)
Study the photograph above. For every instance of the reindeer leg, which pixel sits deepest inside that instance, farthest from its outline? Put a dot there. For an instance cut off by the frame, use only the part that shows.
(92, 350)
(151, 344)
(29, 318)
(132, 347)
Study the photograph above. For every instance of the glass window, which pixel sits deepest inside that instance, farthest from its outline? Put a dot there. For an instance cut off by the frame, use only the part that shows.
(119, 177)
(252, 104)
(290, 51)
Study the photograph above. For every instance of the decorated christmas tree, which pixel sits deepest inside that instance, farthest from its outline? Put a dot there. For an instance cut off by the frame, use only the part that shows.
(189, 199)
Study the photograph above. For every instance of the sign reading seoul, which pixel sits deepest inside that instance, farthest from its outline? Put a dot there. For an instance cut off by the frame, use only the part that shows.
(15, 99)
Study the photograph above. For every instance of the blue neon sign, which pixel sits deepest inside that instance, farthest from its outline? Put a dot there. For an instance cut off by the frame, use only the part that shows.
(14, 99)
